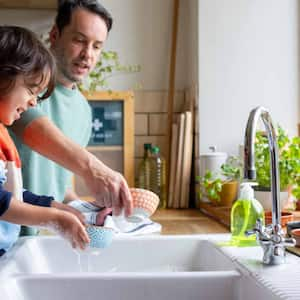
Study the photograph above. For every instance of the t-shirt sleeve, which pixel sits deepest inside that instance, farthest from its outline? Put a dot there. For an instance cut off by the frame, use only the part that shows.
(34, 199)
(27, 117)
(5, 196)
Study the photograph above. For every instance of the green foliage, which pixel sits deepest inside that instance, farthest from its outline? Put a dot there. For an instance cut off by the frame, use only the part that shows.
(107, 67)
(211, 184)
(232, 169)
(289, 160)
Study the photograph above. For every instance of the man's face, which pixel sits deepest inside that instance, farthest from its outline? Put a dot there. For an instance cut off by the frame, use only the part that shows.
(77, 48)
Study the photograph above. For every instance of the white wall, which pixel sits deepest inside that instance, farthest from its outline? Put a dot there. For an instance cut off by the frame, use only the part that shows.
(248, 56)
(141, 34)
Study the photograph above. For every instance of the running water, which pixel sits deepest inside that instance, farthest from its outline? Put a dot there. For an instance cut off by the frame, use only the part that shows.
(84, 259)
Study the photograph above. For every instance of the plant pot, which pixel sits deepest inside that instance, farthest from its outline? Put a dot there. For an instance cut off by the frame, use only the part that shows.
(265, 199)
(228, 194)
(286, 217)
(295, 233)
(298, 204)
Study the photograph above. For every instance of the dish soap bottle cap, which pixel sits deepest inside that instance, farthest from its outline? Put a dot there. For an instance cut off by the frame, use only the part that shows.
(246, 191)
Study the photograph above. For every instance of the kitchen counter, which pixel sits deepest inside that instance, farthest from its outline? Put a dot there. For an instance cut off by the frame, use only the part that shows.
(186, 221)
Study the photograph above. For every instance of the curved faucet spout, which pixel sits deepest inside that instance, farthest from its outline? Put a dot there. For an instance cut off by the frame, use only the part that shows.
(271, 237)
(249, 163)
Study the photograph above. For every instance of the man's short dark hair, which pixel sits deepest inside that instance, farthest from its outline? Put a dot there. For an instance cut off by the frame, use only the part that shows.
(67, 7)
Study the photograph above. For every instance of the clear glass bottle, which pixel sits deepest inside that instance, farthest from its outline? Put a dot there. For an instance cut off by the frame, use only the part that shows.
(244, 213)
(144, 169)
(158, 176)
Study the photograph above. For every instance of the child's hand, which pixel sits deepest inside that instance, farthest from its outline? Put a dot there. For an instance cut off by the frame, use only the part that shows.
(72, 229)
(70, 209)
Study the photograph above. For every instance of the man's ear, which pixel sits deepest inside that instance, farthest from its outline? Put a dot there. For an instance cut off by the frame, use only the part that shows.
(53, 35)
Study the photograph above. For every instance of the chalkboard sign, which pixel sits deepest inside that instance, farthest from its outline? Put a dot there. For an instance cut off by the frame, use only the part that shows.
(112, 134)
(107, 123)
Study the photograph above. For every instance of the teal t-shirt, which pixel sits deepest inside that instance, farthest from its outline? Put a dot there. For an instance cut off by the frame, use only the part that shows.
(70, 111)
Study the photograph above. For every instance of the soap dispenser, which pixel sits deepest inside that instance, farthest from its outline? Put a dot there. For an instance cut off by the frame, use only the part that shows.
(244, 214)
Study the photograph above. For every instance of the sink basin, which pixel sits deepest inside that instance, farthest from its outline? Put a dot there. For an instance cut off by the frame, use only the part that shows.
(145, 255)
(43, 268)
(156, 267)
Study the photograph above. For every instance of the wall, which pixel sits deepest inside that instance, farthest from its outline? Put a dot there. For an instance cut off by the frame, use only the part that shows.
(248, 56)
(142, 35)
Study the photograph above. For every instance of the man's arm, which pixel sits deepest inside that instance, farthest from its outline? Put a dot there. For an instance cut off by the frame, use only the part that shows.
(109, 188)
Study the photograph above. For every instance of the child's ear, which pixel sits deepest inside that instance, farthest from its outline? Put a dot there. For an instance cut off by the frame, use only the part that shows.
(53, 35)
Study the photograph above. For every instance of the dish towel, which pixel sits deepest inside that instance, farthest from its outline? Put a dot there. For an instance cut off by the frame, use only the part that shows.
(120, 224)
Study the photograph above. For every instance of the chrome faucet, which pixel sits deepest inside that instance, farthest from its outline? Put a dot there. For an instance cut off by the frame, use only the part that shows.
(271, 237)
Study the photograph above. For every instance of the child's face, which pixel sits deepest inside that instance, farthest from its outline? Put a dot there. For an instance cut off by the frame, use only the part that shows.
(18, 100)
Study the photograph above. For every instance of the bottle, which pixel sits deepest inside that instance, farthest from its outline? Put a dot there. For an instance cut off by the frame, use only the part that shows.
(244, 213)
(158, 176)
(144, 169)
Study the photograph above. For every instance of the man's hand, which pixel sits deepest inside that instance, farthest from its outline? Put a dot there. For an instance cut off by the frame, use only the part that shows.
(109, 188)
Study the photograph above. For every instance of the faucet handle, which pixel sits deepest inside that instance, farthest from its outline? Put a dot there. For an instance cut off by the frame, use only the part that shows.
(289, 242)
(262, 233)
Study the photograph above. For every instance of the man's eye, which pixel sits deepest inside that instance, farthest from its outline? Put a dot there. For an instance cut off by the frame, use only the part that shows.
(39, 99)
(79, 40)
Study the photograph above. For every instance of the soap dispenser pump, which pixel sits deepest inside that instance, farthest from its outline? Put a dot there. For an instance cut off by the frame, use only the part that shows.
(244, 214)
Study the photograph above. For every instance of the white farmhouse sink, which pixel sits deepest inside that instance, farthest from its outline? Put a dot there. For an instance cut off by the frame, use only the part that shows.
(141, 268)
(146, 255)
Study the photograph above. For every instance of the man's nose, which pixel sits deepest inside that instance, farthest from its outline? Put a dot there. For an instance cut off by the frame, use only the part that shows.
(87, 52)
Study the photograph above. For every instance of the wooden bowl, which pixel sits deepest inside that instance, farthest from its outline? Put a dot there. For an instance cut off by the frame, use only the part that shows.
(286, 217)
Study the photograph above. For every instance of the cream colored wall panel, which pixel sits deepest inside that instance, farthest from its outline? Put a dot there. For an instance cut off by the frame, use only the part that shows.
(141, 124)
(158, 124)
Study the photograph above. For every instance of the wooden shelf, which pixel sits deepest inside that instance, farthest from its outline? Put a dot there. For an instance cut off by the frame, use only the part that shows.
(28, 4)
(186, 221)
(218, 213)
(222, 213)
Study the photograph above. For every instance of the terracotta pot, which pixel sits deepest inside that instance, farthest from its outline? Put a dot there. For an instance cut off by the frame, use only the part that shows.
(298, 204)
(286, 217)
(295, 233)
(228, 194)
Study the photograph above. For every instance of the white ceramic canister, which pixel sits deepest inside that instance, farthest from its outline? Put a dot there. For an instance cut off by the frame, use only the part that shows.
(212, 161)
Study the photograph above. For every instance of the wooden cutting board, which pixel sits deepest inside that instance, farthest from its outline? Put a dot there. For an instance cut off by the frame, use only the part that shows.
(294, 250)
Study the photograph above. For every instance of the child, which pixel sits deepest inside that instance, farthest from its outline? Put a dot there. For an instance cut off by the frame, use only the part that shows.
(26, 70)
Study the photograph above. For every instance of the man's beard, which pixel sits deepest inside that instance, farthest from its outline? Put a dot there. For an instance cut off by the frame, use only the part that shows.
(62, 67)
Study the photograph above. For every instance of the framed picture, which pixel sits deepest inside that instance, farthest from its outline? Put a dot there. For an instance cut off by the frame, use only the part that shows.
(28, 4)
(112, 134)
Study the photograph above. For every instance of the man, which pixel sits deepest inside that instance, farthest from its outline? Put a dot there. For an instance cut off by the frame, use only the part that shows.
(60, 127)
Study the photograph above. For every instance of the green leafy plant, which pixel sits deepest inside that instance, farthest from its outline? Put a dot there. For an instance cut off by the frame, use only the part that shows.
(289, 160)
(211, 184)
(108, 66)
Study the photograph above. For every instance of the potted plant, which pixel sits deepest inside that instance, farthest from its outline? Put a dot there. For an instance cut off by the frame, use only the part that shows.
(221, 189)
(289, 167)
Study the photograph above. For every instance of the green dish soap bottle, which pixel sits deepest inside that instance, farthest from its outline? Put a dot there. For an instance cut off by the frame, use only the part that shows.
(244, 214)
